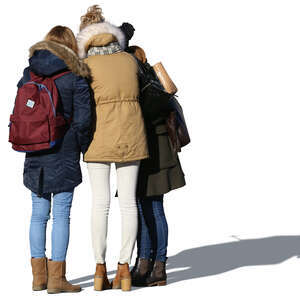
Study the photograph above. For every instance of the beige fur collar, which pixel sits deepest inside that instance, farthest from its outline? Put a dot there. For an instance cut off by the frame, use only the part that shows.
(70, 58)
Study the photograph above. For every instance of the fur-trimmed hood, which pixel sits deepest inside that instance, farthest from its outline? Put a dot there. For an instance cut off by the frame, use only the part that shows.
(65, 57)
(86, 34)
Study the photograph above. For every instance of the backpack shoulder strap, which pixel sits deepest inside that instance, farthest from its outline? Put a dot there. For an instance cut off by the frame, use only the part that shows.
(60, 75)
(34, 77)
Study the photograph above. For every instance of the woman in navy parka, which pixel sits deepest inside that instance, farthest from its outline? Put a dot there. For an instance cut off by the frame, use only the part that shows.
(56, 172)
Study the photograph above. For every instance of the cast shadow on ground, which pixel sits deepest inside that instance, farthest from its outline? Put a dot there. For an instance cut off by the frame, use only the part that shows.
(220, 258)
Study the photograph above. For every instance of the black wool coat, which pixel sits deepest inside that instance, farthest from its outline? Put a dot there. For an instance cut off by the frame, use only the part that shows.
(58, 169)
(162, 171)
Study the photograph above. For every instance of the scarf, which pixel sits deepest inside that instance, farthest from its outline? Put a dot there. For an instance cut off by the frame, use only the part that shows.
(111, 48)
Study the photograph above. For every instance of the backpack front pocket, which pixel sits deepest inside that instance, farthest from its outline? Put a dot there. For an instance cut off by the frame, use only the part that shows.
(27, 131)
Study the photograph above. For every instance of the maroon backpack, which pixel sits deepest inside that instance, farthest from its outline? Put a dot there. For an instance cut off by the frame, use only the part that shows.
(36, 123)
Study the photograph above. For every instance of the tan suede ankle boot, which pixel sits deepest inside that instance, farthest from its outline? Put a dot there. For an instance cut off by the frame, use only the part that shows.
(123, 278)
(57, 282)
(39, 272)
(100, 280)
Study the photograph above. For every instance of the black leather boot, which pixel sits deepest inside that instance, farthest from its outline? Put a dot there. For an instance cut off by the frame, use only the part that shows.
(141, 271)
(158, 275)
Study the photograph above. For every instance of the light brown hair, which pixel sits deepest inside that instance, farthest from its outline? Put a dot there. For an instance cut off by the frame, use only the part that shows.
(63, 35)
(93, 15)
(138, 52)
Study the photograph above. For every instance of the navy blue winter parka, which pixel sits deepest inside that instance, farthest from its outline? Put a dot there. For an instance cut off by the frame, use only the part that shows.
(58, 169)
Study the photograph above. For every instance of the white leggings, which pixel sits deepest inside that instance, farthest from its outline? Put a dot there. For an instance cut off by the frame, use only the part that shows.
(127, 174)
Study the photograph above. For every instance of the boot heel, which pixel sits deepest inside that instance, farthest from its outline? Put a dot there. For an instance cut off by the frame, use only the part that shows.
(98, 283)
(126, 284)
(162, 283)
(53, 291)
(39, 287)
(116, 286)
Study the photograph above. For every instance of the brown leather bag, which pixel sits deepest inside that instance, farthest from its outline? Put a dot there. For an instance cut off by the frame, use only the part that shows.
(176, 127)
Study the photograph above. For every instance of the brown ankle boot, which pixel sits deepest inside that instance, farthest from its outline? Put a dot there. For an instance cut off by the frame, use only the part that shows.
(123, 278)
(100, 280)
(158, 275)
(39, 272)
(57, 282)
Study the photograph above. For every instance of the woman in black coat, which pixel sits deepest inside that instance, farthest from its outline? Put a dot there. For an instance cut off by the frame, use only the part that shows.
(56, 172)
(158, 175)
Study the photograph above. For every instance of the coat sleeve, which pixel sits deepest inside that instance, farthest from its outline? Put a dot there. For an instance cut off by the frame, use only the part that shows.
(82, 113)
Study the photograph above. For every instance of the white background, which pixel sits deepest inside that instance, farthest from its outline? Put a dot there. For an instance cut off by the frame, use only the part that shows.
(234, 229)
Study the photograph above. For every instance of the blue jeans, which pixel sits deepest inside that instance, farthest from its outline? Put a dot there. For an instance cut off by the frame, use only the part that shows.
(41, 207)
(152, 238)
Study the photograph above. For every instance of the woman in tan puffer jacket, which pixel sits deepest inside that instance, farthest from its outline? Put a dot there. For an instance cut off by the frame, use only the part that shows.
(119, 137)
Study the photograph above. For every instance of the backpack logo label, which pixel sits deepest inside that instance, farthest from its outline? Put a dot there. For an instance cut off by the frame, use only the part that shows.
(30, 103)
